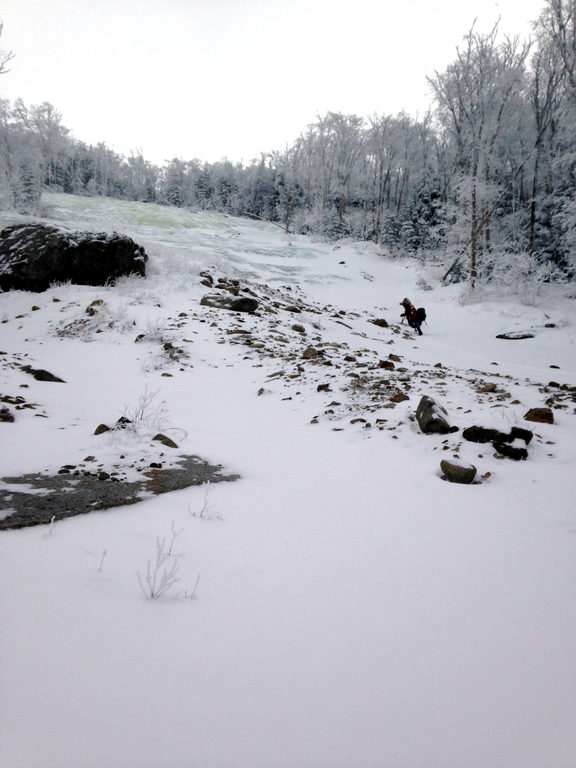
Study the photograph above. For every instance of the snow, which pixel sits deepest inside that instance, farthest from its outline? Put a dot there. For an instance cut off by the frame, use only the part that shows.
(353, 610)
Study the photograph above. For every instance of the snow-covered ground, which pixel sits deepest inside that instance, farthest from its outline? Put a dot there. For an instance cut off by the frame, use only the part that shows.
(352, 610)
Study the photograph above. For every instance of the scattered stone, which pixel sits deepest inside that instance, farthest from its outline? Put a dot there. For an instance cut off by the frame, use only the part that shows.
(299, 328)
(540, 415)
(399, 398)
(458, 472)
(323, 388)
(380, 322)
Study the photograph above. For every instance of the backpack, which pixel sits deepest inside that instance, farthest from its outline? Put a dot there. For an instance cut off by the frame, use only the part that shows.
(421, 315)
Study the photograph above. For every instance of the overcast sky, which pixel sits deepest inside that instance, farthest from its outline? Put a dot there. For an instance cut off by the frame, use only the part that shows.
(232, 78)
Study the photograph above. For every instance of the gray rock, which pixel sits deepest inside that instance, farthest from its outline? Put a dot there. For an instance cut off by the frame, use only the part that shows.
(456, 472)
(230, 303)
(432, 417)
(33, 256)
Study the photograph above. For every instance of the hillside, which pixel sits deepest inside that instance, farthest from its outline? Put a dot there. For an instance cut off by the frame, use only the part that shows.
(339, 605)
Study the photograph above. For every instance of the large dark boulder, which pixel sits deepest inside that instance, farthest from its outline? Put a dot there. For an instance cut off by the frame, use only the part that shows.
(33, 256)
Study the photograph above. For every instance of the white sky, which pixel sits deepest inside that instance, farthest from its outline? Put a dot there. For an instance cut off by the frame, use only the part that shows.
(232, 78)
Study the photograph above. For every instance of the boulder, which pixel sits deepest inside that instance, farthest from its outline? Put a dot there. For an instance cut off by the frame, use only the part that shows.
(517, 453)
(458, 472)
(540, 415)
(432, 417)
(482, 435)
(501, 441)
(233, 304)
(33, 256)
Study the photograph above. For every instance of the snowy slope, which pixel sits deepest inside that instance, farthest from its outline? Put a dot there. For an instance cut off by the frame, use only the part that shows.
(353, 610)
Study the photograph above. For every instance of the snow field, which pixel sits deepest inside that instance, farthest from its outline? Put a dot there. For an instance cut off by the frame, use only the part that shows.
(353, 611)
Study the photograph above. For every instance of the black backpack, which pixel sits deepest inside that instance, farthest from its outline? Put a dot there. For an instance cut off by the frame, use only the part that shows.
(421, 314)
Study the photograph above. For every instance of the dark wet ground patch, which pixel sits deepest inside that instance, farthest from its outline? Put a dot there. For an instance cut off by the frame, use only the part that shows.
(56, 497)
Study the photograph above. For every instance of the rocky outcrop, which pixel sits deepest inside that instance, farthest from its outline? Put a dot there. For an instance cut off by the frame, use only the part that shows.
(432, 417)
(458, 472)
(33, 256)
(231, 303)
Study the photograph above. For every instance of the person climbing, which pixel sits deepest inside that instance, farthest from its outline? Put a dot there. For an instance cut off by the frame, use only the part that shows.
(415, 317)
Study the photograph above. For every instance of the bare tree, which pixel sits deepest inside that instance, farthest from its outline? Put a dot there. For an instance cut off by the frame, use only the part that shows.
(5, 56)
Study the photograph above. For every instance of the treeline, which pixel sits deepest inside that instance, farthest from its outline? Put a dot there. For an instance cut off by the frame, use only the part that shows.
(487, 177)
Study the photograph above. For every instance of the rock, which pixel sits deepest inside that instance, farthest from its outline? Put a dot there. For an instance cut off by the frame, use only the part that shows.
(540, 415)
(515, 336)
(482, 434)
(522, 434)
(487, 435)
(399, 398)
(165, 440)
(41, 375)
(230, 303)
(457, 472)
(380, 322)
(386, 364)
(310, 352)
(5, 415)
(486, 389)
(432, 417)
(33, 256)
(298, 328)
(101, 428)
(511, 451)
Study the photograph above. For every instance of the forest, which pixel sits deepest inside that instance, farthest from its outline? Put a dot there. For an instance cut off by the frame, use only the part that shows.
(484, 183)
